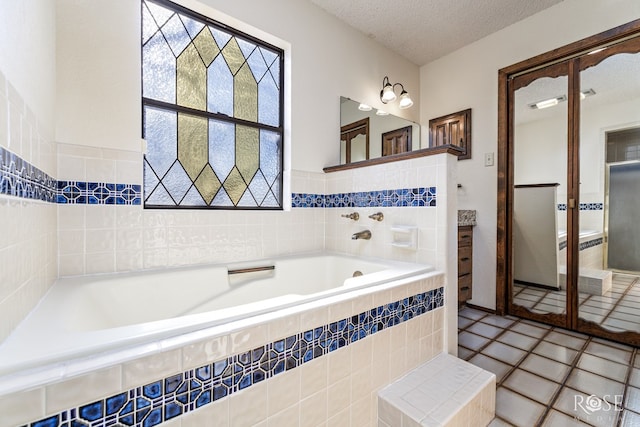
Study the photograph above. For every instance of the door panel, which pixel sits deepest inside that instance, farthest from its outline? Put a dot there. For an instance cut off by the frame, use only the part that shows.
(539, 198)
(609, 238)
(623, 234)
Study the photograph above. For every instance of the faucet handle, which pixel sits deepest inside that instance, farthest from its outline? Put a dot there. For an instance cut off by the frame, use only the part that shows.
(354, 216)
(378, 216)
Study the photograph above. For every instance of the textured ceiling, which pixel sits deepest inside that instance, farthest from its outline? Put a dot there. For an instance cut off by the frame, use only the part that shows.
(425, 30)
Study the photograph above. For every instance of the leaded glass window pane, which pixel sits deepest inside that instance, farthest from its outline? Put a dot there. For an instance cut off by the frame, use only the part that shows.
(213, 109)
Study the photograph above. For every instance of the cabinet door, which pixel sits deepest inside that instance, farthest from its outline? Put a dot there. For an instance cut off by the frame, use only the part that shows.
(452, 129)
(397, 141)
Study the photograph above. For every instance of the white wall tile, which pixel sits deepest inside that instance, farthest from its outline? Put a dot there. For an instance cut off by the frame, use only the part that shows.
(206, 351)
(313, 377)
(283, 391)
(4, 120)
(215, 414)
(85, 388)
(313, 409)
(289, 417)
(150, 368)
(249, 406)
(22, 407)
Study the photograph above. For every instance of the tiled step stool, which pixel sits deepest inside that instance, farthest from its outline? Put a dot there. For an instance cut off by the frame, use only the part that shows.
(445, 391)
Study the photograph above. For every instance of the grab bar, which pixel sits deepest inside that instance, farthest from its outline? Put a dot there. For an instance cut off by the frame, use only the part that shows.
(251, 269)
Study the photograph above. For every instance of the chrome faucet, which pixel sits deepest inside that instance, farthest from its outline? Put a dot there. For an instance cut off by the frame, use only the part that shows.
(364, 234)
(378, 216)
(354, 216)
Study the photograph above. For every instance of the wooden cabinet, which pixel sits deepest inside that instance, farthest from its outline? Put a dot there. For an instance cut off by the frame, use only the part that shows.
(452, 129)
(465, 263)
(397, 141)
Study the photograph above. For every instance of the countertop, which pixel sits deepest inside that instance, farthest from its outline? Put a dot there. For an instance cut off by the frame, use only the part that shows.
(467, 217)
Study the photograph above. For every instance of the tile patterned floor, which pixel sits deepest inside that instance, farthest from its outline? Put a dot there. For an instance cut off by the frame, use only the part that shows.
(548, 376)
(617, 310)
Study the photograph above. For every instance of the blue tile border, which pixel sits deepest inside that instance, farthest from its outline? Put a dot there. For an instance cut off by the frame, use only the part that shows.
(404, 197)
(584, 206)
(584, 245)
(97, 193)
(19, 178)
(169, 397)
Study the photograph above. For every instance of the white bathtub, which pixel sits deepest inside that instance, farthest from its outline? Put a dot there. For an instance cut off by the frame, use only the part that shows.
(86, 318)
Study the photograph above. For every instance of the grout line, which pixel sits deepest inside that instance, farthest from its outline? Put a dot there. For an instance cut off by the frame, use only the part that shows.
(563, 384)
(617, 303)
(572, 367)
(625, 392)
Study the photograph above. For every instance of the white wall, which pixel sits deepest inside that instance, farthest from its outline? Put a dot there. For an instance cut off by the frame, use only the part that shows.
(468, 78)
(99, 88)
(27, 94)
(27, 54)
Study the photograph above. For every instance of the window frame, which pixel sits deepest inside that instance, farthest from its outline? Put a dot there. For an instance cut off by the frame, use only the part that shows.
(280, 129)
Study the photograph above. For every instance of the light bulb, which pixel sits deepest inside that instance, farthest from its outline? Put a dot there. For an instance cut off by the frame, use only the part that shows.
(388, 94)
(405, 100)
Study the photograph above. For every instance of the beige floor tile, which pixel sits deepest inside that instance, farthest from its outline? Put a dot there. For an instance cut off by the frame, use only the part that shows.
(603, 367)
(586, 408)
(471, 341)
(516, 409)
(503, 352)
(630, 419)
(485, 330)
(565, 340)
(545, 367)
(532, 386)
(515, 339)
(558, 419)
(608, 352)
(499, 321)
(500, 369)
(528, 329)
(593, 384)
(556, 352)
(471, 313)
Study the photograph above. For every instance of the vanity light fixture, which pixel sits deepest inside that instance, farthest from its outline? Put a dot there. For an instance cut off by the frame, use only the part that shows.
(388, 94)
(546, 103)
(588, 92)
(552, 102)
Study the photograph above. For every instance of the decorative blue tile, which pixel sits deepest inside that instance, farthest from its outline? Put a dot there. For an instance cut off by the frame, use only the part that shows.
(403, 197)
(21, 179)
(92, 412)
(49, 422)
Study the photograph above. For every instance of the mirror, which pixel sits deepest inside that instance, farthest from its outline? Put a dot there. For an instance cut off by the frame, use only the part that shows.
(540, 177)
(367, 135)
(570, 131)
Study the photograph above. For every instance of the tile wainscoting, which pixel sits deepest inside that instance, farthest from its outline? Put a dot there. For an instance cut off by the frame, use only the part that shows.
(320, 364)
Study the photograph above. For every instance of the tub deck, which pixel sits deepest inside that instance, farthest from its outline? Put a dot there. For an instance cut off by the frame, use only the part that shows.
(102, 316)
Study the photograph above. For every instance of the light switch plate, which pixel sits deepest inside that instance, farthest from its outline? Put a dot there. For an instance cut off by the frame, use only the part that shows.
(488, 159)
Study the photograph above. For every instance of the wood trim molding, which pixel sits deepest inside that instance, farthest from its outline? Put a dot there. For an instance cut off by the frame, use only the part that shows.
(423, 152)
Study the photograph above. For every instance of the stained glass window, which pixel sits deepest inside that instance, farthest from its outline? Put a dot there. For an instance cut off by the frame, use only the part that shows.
(212, 100)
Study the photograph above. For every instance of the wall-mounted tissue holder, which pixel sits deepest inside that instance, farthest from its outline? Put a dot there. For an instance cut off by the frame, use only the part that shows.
(405, 236)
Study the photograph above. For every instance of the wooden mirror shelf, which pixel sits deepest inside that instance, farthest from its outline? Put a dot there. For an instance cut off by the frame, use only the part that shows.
(450, 149)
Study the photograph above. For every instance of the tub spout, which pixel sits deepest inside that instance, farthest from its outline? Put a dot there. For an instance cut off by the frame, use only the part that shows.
(365, 234)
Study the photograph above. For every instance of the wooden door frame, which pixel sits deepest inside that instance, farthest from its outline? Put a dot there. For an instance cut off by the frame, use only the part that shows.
(505, 152)
(350, 131)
